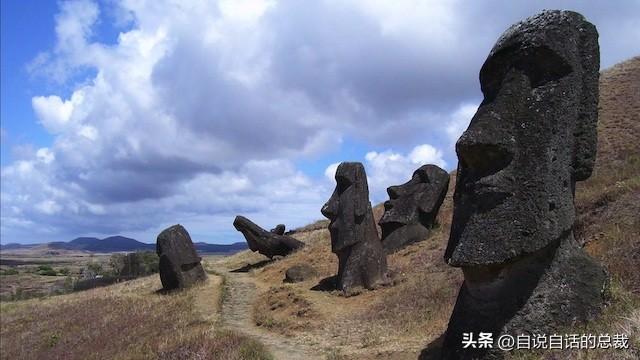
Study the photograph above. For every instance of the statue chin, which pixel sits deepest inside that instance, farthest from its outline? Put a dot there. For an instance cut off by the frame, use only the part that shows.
(402, 235)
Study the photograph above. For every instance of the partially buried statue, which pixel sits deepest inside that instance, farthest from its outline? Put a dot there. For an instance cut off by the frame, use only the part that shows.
(268, 243)
(354, 237)
(179, 264)
(532, 138)
(412, 207)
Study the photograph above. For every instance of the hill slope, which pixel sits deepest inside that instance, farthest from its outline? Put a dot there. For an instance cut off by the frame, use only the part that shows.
(408, 318)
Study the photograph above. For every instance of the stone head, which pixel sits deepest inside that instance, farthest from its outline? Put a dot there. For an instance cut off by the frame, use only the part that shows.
(348, 206)
(533, 136)
(175, 243)
(414, 203)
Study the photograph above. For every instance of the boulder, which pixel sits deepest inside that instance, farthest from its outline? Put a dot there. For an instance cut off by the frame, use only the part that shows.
(299, 273)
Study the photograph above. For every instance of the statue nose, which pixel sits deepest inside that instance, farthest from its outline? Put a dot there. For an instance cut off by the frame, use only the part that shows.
(328, 210)
(393, 191)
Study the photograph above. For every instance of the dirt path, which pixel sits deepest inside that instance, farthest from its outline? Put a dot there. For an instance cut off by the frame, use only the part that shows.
(236, 315)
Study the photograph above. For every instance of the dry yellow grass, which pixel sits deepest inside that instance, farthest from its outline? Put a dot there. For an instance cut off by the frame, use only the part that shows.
(397, 322)
(130, 320)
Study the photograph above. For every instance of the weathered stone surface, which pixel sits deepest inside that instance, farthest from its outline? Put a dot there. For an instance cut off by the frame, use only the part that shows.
(179, 263)
(532, 138)
(354, 238)
(279, 229)
(268, 243)
(412, 207)
(300, 272)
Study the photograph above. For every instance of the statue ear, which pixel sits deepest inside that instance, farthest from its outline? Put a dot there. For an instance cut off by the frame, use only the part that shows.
(585, 132)
(427, 202)
(361, 191)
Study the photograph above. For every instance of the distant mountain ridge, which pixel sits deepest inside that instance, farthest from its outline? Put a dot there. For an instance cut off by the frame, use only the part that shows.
(121, 243)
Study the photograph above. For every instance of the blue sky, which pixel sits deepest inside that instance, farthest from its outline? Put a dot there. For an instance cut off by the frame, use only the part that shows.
(127, 117)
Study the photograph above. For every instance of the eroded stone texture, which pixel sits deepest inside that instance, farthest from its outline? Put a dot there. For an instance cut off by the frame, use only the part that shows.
(532, 138)
(354, 238)
(179, 263)
(268, 243)
(279, 229)
(412, 207)
(299, 272)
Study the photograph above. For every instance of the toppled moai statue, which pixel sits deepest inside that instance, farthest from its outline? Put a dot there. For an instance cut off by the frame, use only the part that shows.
(279, 229)
(532, 138)
(268, 243)
(354, 237)
(179, 264)
(412, 207)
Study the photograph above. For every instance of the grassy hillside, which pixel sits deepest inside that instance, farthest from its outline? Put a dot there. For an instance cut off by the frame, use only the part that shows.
(408, 318)
(130, 320)
(402, 321)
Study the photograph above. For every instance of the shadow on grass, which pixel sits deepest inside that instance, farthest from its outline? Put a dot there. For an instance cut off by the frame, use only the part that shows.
(326, 284)
(433, 350)
(250, 267)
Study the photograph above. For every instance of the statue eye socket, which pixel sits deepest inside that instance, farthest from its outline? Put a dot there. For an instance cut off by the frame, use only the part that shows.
(342, 184)
(539, 63)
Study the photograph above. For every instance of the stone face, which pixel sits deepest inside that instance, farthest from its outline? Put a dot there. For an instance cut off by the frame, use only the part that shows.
(532, 138)
(179, 263)
(354, 238)
(268, 243)
(412, 207)
(300, 272)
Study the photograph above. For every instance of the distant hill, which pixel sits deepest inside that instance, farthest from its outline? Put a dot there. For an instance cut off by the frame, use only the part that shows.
(121, 243)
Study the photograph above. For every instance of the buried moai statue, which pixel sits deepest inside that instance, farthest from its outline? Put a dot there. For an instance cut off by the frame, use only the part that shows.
(354, 237)
(412, 207)
(179, 263)
(532, 138)
(268, 243)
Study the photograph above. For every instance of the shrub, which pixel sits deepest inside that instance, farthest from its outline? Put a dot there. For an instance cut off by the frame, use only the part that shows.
(9, 271)
(46, 270)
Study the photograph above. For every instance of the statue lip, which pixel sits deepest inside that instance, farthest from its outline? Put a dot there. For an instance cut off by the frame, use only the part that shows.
(389, 219)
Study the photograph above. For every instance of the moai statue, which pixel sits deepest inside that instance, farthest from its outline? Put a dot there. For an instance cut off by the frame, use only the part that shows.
(268, 243)
(354, 237)
(412, 207)
(179, 264)
(533, 136)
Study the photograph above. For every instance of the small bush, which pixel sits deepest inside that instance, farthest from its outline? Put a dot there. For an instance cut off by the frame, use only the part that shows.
(9, 271)
(46, 270)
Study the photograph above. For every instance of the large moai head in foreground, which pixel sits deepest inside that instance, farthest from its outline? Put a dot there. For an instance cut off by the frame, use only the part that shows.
(412, 207)
(354, 237)
(533, 136)
(267, 243)
(179, 263)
